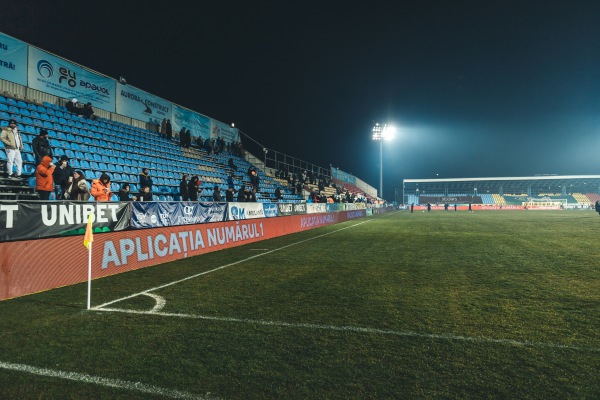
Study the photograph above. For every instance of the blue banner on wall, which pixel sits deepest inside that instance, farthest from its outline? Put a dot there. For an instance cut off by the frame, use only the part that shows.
(224, 131)
(59, 77)
(198, 124)
(271, 209)
(13, 60)
(136, 103)
(163, 214)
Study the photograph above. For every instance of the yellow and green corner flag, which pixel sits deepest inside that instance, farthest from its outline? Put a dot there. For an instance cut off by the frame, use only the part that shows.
(89, 236)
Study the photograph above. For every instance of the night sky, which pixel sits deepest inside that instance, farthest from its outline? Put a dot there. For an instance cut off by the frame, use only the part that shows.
(475, 88)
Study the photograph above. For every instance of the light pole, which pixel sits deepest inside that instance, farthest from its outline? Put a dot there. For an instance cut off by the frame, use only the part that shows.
(381, 133)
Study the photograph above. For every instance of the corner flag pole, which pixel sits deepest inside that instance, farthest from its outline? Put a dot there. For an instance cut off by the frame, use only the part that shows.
(87, 242)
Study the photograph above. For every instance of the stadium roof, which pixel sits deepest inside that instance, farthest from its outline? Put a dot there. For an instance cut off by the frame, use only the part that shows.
(518, 178)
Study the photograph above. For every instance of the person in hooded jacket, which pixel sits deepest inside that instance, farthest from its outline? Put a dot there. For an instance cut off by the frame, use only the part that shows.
(229, 195)
(62, 175)
(101, 188)
(43, 178)
(125, 192)
(41, 146)
(78, 188)
(145, 179)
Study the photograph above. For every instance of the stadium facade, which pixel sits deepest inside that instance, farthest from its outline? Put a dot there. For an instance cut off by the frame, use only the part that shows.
(570, 190)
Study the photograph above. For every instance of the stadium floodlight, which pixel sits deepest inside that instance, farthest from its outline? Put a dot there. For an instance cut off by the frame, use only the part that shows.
(381, 133)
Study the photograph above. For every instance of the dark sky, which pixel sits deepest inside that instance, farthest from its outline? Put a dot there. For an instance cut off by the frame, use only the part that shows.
(475, 88)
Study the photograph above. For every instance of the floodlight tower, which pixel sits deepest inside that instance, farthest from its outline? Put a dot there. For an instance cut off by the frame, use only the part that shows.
(381, 133)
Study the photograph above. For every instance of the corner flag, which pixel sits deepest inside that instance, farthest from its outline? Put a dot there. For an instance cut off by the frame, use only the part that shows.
(89, 236)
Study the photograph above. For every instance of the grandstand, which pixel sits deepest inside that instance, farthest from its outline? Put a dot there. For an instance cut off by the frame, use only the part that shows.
(572, 191)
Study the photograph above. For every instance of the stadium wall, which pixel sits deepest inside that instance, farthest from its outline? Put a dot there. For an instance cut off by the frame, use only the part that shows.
(31, 266)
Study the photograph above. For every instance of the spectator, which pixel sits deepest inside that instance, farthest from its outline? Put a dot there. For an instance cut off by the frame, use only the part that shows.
(43, 178)
(254, 179)
(230, 180)
(184, 192)
(125, 192)
(145, 194)
(251, 196)
(41, 146)
(78, 188)
(231, 164)
(13, 145)
(72, 107)
(278, 194)
(145, 179)
(229, 195)
(88, 111)
(188, 139)
(163, 127)
(169, 130)
(206, 146)
(101, 188)
(194, 188)
(182, 137)
(217, 194)
(243, 192)
(63, 176)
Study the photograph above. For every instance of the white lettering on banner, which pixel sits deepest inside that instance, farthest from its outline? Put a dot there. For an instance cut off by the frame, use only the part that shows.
(316, 220)
(10, 210)
(77, 214)
(231, 234)
(182, 242)
(354, 214)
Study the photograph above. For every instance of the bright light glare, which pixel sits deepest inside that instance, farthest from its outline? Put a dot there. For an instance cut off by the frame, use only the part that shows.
(383, 132)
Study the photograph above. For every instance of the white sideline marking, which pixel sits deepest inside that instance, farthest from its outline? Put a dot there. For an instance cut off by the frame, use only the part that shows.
(358, 329)
(224, 266)
(96, 380)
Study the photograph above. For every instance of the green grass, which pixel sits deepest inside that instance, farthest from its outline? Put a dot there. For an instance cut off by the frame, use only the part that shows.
(456, 305)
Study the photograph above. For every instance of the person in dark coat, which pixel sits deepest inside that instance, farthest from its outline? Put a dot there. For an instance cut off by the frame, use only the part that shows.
(182, 137)
(169, 130)
(194, 188)
(145, 194)
(429, 207)
(145, 179)
(188, 139)
(41, 146)
(229, 195)
(278, 194)
(63, 175)
(124, 193)
(242, 194)
(597, 206)
(231, 164)
(217, 194)
(184, 191)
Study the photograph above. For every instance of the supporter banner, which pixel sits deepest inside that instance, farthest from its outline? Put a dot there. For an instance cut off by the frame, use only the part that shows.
(335, 207)
(226, 132)
(198, 124)
(271, 210)
(299, 208)
(349, 206)
(164, 214)
(30, 220)
(285, 208)
(313, 208)
(369, 211)
(13, 60)
(59, 77)
(360, 206)
(240, 211)
(136, 103)
(343, 176)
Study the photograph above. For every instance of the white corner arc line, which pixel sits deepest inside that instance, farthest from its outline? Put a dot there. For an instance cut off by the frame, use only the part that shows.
(223, 266)
(377, 331)
(160, 301)
(96, 380)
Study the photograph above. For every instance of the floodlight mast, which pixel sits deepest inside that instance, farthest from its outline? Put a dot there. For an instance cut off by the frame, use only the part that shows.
(381, 133)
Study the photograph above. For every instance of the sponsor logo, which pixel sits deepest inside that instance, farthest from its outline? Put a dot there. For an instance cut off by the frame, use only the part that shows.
(67, 75)
(188, 210)
(45, 69)
(238, 213)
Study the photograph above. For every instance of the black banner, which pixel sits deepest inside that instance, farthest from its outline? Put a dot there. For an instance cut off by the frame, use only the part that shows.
(40, 219)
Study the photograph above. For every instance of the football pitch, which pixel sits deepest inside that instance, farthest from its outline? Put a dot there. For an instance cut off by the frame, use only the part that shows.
(453, 305)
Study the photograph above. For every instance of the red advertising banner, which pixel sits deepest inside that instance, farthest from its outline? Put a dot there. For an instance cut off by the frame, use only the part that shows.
(35, 265)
